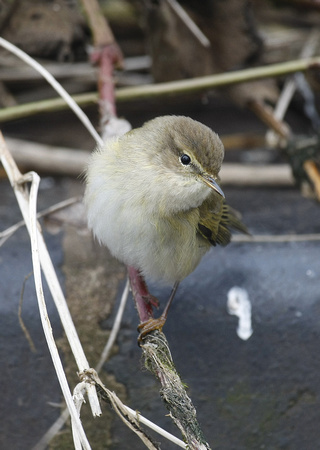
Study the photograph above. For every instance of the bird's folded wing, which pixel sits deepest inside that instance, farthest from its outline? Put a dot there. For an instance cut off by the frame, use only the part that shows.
(216, 221)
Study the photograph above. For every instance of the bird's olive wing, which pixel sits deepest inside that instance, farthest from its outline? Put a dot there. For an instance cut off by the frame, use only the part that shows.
(216, 221)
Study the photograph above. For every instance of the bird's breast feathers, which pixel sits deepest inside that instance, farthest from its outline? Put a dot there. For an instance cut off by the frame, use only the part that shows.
(163, 248)
(148, 218)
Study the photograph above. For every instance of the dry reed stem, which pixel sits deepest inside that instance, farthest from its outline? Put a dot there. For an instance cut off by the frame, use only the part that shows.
(41, 259)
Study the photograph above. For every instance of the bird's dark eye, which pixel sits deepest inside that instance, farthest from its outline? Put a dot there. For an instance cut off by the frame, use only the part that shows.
(185, 159)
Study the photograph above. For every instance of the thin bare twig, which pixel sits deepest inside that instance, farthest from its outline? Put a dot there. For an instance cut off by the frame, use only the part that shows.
(269, 238)
(115, 328)
(41, 106)
(57, 86)
(56, 427)
(265, 113)
(6, 234)
(52, 431)
(22, 324)
(189, 23)
(58, 424)
(131, 418)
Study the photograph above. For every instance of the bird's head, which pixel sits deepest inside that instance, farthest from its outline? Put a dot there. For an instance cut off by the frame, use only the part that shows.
(186, 149)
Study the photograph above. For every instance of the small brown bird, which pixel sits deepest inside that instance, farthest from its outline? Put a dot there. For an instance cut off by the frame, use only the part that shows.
(153, 198)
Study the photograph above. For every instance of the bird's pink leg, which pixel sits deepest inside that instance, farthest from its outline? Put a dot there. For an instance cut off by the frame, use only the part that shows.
(143, 299)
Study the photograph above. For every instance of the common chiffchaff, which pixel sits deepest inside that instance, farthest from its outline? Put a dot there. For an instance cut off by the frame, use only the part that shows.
(153, 198)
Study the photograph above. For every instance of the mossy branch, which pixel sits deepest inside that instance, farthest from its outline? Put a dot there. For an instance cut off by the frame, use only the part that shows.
(181, 87)
(49, 105)
(201, 84)
(158, 360)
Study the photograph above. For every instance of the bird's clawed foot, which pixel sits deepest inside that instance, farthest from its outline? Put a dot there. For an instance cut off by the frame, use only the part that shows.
(151, 325)
(151, 300)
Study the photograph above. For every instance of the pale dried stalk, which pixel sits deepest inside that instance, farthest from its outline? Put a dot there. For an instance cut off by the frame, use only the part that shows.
(45, 259)
(54, 83)
(130, 417)
(101, 32)
(56, 427)
(52, 431)
(189, 23)
(131, 421)
(48, 158)
(61, 305)
(79, 437)
(267, 238)
(255, 175)
(78, 398)
(28, 209)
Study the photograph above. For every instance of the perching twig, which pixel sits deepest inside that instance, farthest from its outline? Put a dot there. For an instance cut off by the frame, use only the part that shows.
(93, 376)
(159, 361)
(187, 424)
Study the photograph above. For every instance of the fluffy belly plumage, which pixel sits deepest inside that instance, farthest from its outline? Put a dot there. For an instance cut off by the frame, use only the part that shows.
(163, 249)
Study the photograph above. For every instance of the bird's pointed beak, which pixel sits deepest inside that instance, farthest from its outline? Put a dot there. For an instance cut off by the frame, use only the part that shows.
(211, 182)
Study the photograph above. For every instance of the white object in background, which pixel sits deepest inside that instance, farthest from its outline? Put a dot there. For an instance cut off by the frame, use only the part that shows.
(239, 305)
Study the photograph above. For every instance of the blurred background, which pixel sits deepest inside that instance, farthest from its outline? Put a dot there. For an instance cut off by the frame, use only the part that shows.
(260, 393)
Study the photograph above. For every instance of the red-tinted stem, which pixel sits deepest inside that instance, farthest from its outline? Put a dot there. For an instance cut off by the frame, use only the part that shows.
(107, 57)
